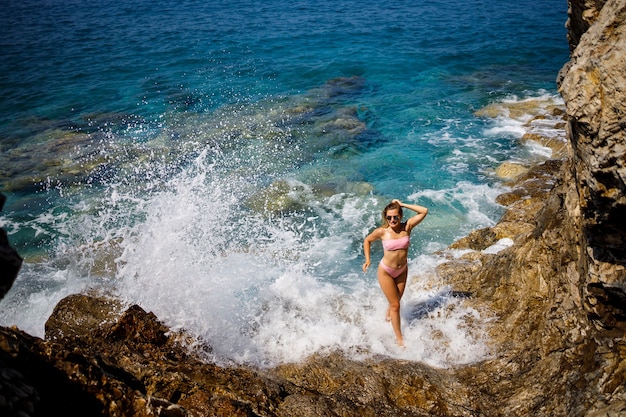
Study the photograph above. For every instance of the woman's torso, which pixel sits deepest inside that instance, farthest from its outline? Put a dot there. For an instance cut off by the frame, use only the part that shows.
(396, 247)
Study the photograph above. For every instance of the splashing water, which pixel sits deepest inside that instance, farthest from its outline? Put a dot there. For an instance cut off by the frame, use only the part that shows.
(260, 286)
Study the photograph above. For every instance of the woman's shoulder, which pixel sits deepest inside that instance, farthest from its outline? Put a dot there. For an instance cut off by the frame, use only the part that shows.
(377, 233)
(380, 230)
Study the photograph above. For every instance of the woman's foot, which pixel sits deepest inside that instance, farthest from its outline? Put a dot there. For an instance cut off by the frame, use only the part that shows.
(388, 315)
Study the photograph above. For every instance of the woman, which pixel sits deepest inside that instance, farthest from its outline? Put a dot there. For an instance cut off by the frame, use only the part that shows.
(392, 269)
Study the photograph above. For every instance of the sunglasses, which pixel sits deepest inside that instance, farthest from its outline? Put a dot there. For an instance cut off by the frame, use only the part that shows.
(393, 217)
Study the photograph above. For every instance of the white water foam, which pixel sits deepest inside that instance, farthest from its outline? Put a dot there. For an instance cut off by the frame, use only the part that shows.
(499, 246)
(462, 208)
(533, 115)
(258, 287)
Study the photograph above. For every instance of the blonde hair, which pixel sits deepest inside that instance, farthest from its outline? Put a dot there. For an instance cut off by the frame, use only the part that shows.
(391, 206)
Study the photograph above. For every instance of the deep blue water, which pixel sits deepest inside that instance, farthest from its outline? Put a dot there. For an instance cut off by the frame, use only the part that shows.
(220, 162)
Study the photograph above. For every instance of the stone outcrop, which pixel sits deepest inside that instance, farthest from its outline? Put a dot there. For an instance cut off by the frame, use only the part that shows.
(582, 13)
(98, 359)
(594, 89)
(10, 260)
(557, 294)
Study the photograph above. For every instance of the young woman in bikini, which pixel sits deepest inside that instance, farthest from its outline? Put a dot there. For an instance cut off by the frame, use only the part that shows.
(392, 269)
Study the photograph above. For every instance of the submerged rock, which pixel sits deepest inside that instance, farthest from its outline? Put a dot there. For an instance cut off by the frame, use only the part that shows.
(56, 157)
(279, 197)
(284, 197)
(104, 146)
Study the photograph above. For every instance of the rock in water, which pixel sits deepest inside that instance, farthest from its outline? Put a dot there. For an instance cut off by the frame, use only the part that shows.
(10, 260)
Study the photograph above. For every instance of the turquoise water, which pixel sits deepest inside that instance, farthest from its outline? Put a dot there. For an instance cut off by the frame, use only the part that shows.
(219, 163)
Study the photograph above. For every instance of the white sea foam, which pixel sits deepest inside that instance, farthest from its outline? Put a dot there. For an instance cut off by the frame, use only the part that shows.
(538, 149)
(258, 289)
(506, 126)
(499, 246)
(268, 290)
(473, 205)
(532, 115)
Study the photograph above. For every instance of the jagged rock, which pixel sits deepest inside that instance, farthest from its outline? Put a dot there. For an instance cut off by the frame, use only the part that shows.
(10, 260)
(127, 363)
(377, 388)
(123, 363)
(476, 240)
(593, 88)
(17, 395)
(582, 13)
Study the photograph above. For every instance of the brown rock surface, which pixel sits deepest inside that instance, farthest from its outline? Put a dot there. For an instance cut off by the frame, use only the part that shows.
(100, 360)
(594, 88)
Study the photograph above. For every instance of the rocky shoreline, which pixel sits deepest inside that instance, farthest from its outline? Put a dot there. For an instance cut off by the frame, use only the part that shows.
(557, 293)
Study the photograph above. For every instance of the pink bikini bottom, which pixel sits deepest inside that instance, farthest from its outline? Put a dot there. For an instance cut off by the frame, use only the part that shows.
(395, 273)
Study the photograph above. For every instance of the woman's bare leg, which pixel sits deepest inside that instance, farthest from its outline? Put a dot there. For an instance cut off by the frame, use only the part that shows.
(400, 284)
(393, 290)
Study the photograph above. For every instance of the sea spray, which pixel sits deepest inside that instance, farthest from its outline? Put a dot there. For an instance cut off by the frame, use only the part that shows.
(260, 261)
(259, 288)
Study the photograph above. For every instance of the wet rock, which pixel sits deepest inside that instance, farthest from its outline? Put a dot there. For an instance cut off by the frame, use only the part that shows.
(10, 260)
(127, 363)
(526, 111)
(476, 240)
(376, 387)
(32, 385)
(557, 146)
(510, 170)
(543, 120)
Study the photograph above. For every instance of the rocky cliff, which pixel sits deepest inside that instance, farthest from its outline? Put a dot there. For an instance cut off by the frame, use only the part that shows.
(594, 89)
(557, 294)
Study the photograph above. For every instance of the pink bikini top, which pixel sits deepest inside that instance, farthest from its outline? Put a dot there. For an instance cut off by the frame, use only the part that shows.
(395, 244)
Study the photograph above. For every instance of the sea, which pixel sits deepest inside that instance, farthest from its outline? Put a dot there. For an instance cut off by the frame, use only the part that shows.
(219, 162)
